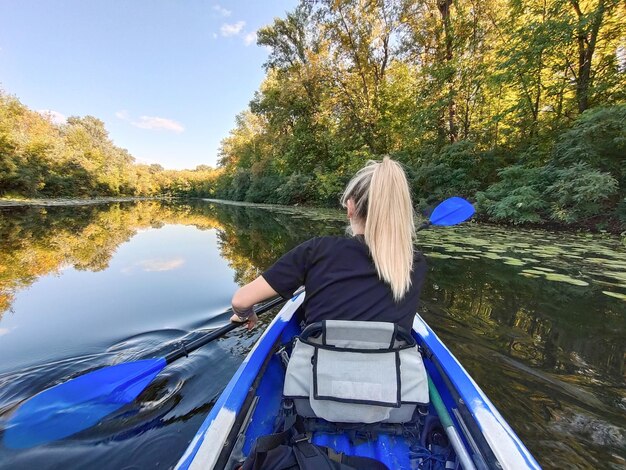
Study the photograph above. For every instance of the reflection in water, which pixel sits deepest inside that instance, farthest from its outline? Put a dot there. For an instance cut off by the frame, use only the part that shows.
(538, 319)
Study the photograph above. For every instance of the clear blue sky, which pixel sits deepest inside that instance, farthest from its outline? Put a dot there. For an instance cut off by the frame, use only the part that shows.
(167, 77)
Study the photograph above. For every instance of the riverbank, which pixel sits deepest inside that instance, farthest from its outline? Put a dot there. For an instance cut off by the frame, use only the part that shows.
(613, 229)
(325, 212)
(45, 202)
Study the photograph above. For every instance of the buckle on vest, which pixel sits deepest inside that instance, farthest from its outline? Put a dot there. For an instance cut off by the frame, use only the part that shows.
(284, 357)
(300, 438)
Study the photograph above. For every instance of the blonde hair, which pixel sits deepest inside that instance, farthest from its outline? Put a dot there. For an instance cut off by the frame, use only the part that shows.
(382, 200)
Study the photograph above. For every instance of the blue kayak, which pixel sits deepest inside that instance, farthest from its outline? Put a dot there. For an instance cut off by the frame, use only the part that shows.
(476, 435)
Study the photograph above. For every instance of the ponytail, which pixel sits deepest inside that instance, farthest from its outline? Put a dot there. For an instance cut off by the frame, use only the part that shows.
(382, 200)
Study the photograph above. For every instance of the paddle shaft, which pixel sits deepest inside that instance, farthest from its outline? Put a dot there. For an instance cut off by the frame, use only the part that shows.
(185, 349)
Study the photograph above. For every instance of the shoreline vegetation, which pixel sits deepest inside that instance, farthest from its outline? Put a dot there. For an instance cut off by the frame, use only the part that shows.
(50, 202)
(327, 213)
(518, 107)
(422, 218)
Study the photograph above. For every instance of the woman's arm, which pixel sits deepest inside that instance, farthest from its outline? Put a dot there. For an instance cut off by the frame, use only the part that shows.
(245, 298)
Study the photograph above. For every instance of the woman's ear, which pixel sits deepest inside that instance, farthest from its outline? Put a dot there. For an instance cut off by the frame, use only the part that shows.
(350, 208)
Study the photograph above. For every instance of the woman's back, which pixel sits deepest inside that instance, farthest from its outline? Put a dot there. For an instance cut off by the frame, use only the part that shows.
(342, 282)
(374, 276)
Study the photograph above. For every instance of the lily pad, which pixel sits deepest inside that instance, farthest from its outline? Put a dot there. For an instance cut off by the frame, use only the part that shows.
(533, 272)
(567, 279)
(617, 295)
(514, 262)
(437, 255)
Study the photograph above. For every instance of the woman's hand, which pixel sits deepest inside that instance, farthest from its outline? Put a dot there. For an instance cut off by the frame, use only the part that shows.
(252, 320)
(246, 297)
(242, 315)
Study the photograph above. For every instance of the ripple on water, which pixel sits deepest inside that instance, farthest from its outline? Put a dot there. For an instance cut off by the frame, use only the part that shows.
(143, 345)
(156, 444)
(591, 429)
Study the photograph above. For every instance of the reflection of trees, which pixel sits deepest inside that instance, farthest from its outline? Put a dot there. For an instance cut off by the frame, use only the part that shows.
(252, 239)
(556, 317)
(37, 242)
(555, 348)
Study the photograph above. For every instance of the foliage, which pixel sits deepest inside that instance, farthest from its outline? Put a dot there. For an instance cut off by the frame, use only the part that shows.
(566, 195)
(496, 98)
(597, 138)
(460, 169)
(518, 196)
(39, 158)
(297, 189)
(579, 192)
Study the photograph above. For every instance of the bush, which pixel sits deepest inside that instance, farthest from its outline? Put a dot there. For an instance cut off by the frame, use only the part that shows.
(240, 185)
(519, 195)
(328, 188)
(597, 138)
(536, 194)
(263, 189)
(458, 170)
(579, 192)
(296, 190)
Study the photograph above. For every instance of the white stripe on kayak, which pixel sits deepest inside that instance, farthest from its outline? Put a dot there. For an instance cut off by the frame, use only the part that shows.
(420, 327)
(509, 450)
(213, 440)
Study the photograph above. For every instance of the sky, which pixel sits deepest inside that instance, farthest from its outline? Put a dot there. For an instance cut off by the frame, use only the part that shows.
(167, 77)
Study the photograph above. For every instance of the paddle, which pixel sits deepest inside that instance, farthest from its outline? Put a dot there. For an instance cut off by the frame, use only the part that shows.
(452, 211)
(79, 403)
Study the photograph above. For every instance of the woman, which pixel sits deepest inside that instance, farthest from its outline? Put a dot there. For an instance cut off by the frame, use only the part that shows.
(374, 275)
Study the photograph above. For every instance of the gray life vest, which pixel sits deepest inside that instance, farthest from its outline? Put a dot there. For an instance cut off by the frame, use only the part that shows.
(356, 372)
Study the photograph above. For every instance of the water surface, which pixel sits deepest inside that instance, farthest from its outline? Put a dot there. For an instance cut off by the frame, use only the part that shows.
(538, 319)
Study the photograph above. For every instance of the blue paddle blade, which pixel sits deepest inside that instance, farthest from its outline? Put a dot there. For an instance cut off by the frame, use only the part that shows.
(73, 406)
(452, 211)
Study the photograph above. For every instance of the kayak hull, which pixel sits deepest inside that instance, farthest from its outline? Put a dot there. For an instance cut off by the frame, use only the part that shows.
(250, 403)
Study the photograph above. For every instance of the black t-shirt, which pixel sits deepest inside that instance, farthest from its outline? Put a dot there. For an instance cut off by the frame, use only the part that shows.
(342, 283)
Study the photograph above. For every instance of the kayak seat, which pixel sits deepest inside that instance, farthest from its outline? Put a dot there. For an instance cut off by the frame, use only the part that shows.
(356, 372)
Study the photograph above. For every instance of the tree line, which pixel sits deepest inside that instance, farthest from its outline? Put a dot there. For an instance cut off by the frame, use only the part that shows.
(40, 158)
(515, 104)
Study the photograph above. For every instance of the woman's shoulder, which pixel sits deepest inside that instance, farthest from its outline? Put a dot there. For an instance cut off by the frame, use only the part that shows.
(333, 239)
(330, 243)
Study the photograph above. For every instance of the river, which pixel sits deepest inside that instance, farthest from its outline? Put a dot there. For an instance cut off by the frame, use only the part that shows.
(537, 318)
